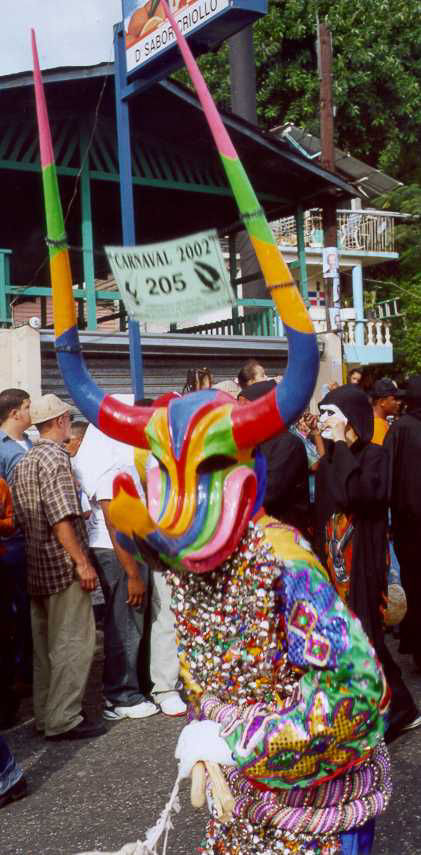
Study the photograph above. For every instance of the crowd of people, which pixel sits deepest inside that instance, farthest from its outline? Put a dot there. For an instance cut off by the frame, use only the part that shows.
(345, 477)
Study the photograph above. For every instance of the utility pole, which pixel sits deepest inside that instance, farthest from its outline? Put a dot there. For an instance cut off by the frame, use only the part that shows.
(243, 75)
(243, 104)
(324, 53)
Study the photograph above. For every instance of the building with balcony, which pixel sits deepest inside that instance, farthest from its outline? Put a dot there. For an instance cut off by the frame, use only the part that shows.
(365, 238)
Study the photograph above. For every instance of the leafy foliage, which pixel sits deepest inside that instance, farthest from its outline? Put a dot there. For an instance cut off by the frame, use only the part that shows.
(406, 281)
(376, 66)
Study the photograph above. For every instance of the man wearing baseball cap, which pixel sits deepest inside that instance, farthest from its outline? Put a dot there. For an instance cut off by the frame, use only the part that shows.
(386, 398)
(60, 575)
(403, 442)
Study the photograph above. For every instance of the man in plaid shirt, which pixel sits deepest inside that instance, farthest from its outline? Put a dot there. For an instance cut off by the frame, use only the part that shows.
(60, 575)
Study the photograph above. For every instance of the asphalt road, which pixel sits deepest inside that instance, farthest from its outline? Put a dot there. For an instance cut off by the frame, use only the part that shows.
(103, 793)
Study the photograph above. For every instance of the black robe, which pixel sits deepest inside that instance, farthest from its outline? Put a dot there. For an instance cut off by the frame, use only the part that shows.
(403, 443)
(354, 481)
(287, 492)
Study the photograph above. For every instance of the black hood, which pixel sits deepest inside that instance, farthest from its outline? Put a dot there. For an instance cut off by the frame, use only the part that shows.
(356, 407)
(257, 390)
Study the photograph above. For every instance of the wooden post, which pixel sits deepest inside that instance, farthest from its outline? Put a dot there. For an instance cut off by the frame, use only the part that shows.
(327, 144)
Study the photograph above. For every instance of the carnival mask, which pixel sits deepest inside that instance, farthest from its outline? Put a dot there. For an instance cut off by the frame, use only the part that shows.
(330, 414)
(201, 488)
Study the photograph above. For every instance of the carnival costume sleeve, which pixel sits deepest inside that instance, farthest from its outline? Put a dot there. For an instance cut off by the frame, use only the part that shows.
(323, 713)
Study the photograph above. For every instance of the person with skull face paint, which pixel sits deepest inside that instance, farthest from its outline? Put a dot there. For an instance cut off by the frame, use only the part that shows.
(351, 528)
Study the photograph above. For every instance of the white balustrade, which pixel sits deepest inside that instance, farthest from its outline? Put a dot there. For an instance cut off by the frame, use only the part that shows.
(367, 230)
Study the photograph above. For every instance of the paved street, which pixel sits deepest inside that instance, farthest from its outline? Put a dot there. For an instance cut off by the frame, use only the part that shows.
(102, 793)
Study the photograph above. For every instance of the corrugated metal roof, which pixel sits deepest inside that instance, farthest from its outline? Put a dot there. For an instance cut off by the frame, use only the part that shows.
(368, 181)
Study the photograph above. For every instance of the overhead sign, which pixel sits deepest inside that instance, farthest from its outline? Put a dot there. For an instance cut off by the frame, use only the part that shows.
(151, 50)
(149, 33)
(172, 281)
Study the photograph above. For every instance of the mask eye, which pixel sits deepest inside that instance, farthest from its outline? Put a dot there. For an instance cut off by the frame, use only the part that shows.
(215, 463)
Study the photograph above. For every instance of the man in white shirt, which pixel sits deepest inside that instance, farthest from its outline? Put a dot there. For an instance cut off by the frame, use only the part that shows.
(96, 464)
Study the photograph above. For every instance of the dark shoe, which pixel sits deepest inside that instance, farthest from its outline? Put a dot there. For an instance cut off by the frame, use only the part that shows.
(18, 791)
(84, 730)
(9, 711)
(400, 724)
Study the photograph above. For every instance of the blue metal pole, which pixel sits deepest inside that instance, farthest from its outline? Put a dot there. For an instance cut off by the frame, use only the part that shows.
(126, 195)
(301, 248)
(87, 232)
(358, 300)
(5, 316)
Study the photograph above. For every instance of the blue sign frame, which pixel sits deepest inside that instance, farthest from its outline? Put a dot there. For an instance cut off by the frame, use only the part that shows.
(151, 51)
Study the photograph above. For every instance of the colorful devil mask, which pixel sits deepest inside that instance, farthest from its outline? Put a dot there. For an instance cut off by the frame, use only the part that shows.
(201, 488)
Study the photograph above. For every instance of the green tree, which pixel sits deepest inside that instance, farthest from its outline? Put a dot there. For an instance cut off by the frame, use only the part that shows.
(377, 73)
(405, 277)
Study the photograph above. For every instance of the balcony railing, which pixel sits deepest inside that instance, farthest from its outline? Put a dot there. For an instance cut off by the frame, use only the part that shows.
(365, 230)
(376, 333)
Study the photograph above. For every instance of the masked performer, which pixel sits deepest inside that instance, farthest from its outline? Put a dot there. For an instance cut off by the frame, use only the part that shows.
(287, 693)
(351, 528)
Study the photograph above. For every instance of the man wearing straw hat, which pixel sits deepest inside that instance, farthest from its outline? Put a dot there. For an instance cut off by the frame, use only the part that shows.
(60, 576)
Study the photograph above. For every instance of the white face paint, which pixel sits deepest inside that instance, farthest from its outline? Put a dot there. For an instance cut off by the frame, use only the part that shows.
(330, 415)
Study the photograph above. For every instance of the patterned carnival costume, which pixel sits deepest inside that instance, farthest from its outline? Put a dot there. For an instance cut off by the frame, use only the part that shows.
(275, 661)
(288, 673)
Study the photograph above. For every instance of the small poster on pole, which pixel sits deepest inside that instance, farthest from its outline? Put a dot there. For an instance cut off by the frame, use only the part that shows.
(172, 281)
(330, 262)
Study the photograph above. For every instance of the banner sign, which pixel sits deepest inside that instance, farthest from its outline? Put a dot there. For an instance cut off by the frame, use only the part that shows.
(174, 280)
(149, 33)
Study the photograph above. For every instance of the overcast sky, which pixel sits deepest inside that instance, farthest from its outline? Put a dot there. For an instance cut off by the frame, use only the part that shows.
(69, 32)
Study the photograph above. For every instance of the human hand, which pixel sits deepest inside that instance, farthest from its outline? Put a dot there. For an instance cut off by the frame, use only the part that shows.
(337, 428)
(312, 422)
(136, 591)
(200, 740)
(87, 575)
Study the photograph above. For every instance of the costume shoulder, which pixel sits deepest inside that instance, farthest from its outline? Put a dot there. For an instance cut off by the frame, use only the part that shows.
(289, 543)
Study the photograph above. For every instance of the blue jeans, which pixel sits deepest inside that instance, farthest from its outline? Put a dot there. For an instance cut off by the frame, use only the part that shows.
(123, 629)
(14, 563)
(360, 841)
(10, 773)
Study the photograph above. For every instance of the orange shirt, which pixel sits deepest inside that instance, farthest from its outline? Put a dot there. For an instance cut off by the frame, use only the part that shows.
(381, 427)
(6, 513)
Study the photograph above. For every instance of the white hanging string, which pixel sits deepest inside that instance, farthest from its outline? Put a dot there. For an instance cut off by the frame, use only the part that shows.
(162, 827)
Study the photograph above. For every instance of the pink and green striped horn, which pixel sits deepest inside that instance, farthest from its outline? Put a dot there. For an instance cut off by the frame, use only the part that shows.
(109, 415)
(251, 423)
(261, 419)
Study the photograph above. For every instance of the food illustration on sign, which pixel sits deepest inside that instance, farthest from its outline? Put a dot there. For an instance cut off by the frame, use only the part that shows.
(148, 16)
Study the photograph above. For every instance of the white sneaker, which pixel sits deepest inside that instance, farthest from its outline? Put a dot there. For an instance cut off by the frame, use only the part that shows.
(171, 704)
(142, 710)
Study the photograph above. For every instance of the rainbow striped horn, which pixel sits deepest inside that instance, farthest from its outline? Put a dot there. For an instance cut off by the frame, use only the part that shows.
(258, 420)
(114, 418)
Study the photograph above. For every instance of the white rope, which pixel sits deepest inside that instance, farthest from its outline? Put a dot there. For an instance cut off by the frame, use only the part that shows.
(153, 835)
